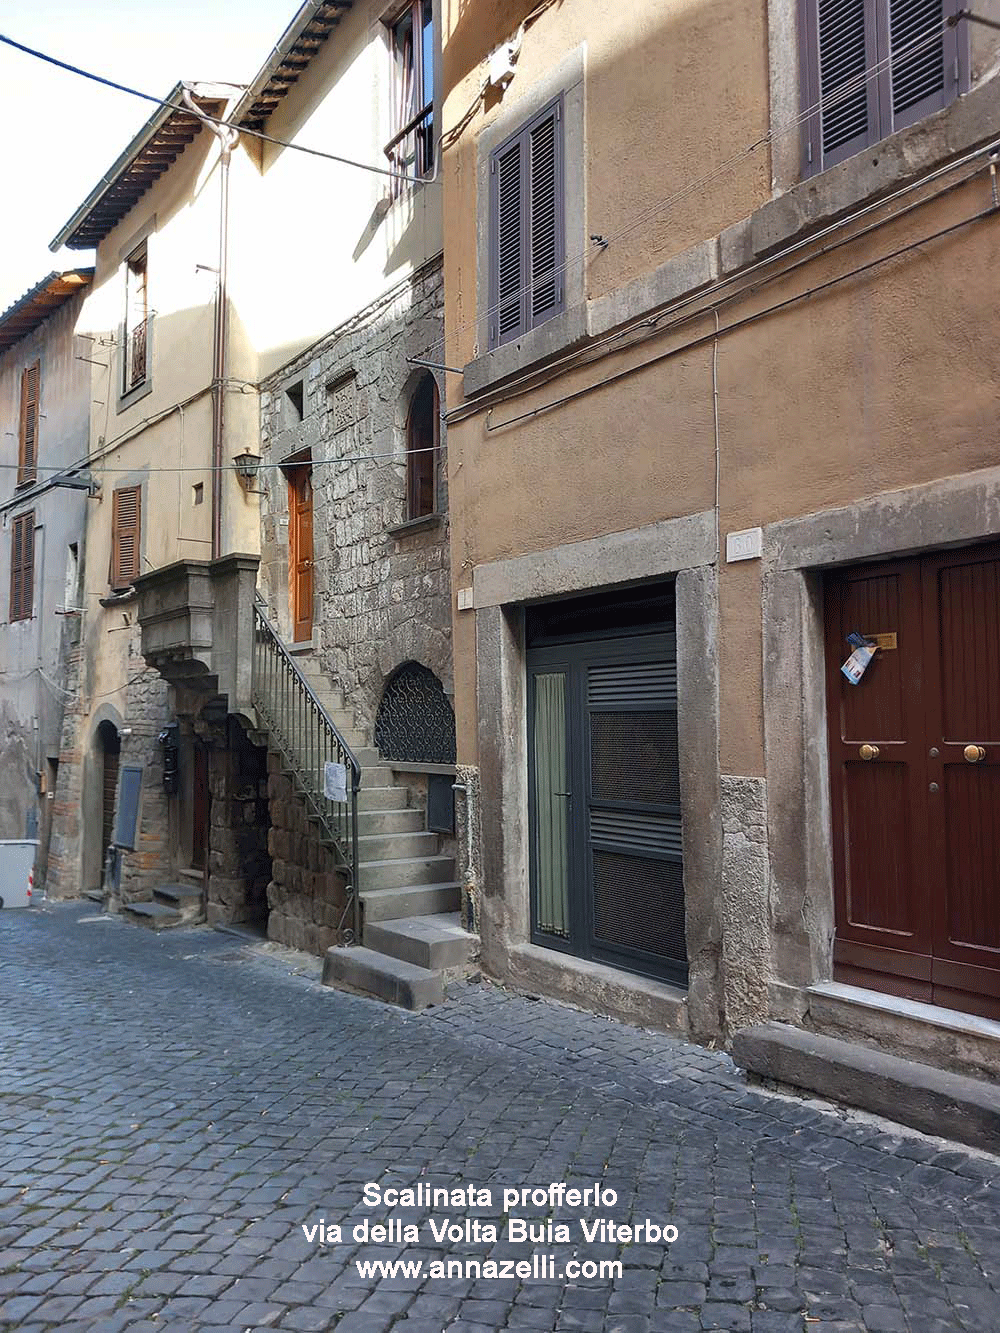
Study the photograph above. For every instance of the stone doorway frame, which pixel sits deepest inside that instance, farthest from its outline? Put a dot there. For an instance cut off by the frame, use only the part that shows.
(956, 511)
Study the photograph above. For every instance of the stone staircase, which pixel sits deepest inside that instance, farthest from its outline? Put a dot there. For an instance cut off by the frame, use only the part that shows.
(412, 940)
(181, 904)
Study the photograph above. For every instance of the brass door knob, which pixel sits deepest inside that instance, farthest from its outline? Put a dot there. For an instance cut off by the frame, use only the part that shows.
(974, 754)
(868, 752)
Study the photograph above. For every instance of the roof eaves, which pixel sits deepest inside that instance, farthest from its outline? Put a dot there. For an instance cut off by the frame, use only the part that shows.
(31, 309)
(172, 105)
(272, 81)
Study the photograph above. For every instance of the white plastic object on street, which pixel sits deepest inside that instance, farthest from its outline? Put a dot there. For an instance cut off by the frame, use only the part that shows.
(17, 868)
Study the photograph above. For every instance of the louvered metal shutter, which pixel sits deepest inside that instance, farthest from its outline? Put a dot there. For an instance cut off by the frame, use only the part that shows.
(27, 458)
(22, 567)
(872, 67)
(527, 230)
(125, 531)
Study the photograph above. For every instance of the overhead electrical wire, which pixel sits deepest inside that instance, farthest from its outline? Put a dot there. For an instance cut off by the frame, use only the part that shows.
(211, 120)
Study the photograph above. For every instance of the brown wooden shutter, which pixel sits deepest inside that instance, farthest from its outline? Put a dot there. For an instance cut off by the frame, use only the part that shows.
(27, 458)
(527, 227)
(22, 567)
(126, 505)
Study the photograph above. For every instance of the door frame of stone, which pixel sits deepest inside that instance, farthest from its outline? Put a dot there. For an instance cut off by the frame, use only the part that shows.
(797, 553)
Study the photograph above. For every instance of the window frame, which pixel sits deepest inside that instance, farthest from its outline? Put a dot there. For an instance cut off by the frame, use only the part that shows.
(27, 467)
(882, 120)
(553, 109)
(414, 458)
(22, 568)
(119, 580)
(420, 124)
(132, 385)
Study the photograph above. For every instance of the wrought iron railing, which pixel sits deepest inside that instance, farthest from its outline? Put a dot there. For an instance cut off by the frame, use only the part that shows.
(305, 735)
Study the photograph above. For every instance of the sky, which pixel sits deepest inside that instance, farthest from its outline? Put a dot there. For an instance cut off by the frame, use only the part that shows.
(61, 133)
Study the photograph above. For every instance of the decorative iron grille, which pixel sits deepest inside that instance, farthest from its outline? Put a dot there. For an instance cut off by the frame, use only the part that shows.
(415, 722)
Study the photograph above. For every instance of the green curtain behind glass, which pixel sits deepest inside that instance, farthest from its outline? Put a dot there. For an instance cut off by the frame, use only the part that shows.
(551, 851)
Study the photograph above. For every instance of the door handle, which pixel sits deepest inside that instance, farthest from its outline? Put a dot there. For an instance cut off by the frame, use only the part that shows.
(868, 752)
(567, 794)
(974, 754)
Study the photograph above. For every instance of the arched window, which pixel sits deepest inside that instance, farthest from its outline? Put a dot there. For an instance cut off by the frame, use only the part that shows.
(415, 720)
(422, 450)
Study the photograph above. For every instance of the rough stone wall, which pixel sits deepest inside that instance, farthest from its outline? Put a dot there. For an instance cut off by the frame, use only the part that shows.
(148, 710)
(382, 597)
(307, 893)
(745, 881)
(63, 870)
(239, 863)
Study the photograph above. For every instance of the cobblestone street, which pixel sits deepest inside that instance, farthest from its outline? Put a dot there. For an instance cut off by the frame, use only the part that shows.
(173, 1109)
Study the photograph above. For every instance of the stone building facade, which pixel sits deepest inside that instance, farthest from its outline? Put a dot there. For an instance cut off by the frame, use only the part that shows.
(381, 583)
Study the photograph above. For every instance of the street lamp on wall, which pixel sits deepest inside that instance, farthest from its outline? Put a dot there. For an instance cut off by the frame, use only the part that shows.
(247, 467)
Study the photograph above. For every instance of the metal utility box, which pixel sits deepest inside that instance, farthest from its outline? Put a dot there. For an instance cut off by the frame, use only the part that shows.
(17, 861)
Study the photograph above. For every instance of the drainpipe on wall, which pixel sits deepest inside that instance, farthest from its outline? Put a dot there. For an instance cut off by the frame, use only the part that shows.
(228, 138)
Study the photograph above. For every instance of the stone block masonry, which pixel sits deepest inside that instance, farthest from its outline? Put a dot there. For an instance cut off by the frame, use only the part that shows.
(307, 894)
(382, 588)
(239, 862)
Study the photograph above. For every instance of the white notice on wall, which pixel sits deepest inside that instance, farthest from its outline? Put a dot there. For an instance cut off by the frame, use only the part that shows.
(335, 782)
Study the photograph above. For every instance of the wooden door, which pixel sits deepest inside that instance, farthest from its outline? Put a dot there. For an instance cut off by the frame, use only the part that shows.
(300, 553)
(916, 854)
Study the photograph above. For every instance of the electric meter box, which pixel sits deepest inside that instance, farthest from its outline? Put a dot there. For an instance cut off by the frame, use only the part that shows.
(17, 861)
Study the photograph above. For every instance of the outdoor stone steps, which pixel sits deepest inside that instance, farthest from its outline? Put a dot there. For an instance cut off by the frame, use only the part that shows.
(371, 799)
(437, 942)
(376, 775)
(409, 900)
(361, 969)
(192, 873)
(406, 872)
(183, 898)
(395, 846)
(155, 916)
(403, 820)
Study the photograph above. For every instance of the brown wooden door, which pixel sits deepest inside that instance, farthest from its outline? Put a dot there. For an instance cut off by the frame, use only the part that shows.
(300, 554)
(916, 854)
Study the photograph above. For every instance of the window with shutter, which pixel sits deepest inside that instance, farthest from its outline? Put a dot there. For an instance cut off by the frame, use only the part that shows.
(527, 231)
(22, 567)
(126, 503)
(27, 457)
(873, 67)
(136, 324)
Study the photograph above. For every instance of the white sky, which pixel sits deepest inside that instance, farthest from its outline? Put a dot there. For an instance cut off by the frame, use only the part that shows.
(60, 133)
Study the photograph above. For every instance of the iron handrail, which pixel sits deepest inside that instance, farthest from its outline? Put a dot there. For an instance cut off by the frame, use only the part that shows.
(308, 739)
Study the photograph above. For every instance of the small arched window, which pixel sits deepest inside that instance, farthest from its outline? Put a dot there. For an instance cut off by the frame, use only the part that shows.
(422, 450)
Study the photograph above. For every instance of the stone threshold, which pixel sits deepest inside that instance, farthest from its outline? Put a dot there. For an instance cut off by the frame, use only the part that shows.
(934, 1101)
(598, 988)
(927, 1033)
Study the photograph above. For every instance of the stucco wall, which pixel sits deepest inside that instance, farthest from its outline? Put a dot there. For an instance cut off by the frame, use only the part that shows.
(32, 671)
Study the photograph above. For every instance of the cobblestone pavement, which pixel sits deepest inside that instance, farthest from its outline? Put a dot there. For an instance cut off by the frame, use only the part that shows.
(174, 1108)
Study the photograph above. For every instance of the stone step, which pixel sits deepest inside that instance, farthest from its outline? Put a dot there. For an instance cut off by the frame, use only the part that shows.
(371, 799)
(409, 900)
(156, 916)
(375, 847)
(403, 820)
(406, 872)
(95, 895)
(392, 979)
(183, 898)
(953, 1106)
(435, 942)
(367, 756)
(376, 775)
(192, 873)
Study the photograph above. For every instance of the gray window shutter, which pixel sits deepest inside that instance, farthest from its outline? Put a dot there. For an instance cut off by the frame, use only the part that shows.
(924, 73)
(544, 140)
(841, 42)
(527, 227)
(507, 259)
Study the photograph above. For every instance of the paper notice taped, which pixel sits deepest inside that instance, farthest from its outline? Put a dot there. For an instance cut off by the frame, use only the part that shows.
(335, 781)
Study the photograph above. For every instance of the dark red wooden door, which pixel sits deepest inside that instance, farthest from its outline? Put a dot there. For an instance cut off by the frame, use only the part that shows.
(916, 851)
